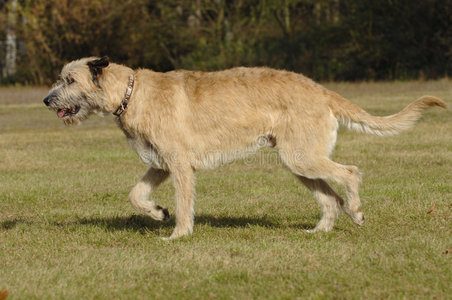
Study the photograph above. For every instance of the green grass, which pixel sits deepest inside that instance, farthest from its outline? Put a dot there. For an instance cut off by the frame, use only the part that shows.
(67, 230)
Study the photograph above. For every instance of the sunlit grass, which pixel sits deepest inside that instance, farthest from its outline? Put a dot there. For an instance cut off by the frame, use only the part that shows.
(67, 231)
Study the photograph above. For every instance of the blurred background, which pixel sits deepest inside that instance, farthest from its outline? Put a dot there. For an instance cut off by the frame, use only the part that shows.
(328, 40)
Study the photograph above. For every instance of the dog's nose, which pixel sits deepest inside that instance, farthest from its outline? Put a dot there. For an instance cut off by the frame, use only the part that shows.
(47, 100)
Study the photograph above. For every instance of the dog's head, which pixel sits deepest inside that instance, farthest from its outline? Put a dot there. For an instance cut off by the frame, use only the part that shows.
(78, 91)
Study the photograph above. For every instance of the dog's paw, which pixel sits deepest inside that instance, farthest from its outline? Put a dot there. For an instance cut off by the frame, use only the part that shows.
(165, 213)
(358, 218)
(173, 237)
(321, 227)
(179, 233)
(356, 215)
(159, 213)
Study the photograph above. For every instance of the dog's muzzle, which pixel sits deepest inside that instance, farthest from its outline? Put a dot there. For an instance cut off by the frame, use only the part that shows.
(47, 101)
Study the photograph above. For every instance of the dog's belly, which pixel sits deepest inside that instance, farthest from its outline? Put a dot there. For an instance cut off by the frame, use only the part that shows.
(212, 159)
(147, 153)
(199, 160)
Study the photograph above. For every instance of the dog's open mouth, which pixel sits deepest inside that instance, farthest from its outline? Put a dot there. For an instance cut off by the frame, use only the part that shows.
(64, 112)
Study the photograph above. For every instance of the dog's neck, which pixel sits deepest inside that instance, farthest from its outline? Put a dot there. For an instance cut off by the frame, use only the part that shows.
(115, 85)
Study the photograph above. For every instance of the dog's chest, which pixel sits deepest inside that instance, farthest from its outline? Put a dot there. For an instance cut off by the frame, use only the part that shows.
(147, 153)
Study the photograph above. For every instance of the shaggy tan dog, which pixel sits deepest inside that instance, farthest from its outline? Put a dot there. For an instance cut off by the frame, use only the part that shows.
(182, 121)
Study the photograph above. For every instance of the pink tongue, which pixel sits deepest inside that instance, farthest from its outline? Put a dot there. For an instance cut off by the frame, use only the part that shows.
(61, 112)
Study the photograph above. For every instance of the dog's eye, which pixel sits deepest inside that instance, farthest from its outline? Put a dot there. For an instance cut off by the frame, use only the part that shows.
(70, 80)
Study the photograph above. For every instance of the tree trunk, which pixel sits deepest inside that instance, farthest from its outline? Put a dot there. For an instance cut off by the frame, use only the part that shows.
(11, 48)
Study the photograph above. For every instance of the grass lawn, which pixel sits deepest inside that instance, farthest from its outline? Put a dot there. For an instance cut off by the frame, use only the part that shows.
(67, 230)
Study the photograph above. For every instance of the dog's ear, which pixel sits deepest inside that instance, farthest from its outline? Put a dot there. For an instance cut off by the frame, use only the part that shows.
(96, 66)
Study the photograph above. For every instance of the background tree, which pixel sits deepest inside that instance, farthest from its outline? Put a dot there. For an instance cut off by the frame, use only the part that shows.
(325, 39)
(9, 70)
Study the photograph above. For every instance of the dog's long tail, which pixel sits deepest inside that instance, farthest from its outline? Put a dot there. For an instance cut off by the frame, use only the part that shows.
(352, 116)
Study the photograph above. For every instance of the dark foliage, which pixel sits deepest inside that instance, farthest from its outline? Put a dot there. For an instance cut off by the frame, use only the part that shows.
(326, 39)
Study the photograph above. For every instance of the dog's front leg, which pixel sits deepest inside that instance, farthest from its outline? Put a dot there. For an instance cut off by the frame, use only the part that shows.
(184, 185)
(139, 196)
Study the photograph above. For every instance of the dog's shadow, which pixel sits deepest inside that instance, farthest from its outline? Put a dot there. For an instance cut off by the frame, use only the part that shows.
(141, 223)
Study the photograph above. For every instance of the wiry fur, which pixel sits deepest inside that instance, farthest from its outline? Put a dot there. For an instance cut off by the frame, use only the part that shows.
(182, 121)
(353, 117)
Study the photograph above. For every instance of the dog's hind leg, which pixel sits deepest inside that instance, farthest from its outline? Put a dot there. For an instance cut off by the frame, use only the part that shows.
(330, 202)
(139, 196)
(320, 167)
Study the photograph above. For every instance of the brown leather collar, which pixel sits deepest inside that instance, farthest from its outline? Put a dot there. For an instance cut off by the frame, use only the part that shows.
(125, 100)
